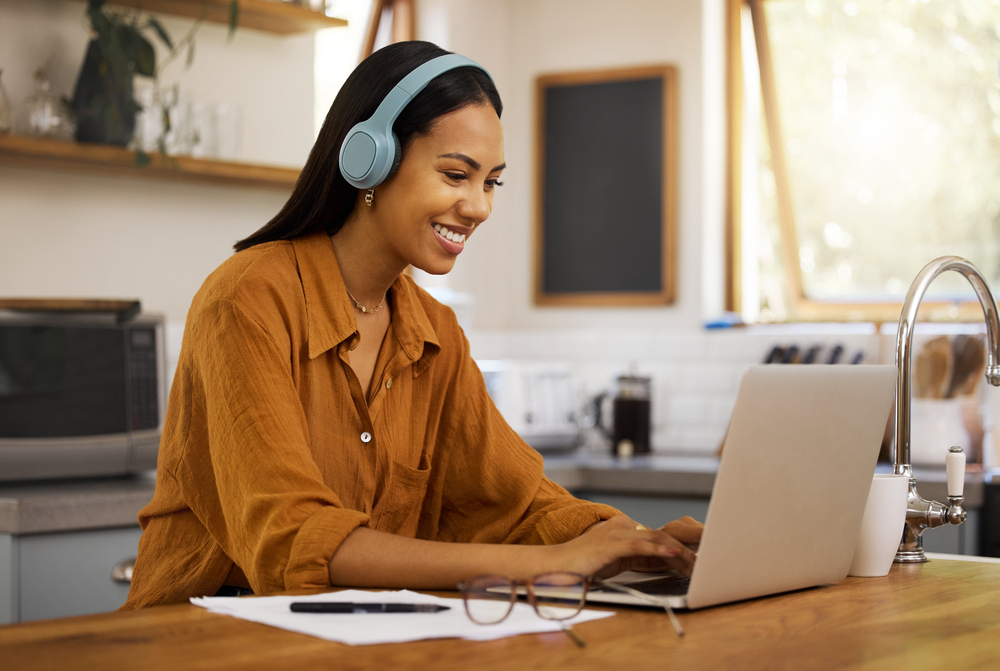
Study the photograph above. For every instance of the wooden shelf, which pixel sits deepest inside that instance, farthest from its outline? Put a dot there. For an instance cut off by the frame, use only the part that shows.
(282, 18)
(19, 150)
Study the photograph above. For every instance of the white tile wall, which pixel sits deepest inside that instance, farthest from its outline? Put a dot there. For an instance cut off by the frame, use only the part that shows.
(695, 373)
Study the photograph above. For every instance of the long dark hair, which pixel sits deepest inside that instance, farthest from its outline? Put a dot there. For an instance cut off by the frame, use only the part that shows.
(322, 199)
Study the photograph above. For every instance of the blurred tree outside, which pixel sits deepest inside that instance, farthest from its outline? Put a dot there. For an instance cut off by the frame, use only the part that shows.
(891, 118)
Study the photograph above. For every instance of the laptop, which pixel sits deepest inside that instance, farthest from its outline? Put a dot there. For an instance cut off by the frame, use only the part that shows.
(791, 489)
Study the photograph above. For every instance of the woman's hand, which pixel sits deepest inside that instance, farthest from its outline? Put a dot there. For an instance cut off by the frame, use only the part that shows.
(620, 544)
(687, 530)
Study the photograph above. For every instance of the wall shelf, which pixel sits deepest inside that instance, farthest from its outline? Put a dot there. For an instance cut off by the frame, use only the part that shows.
(282, 18)
(30, 152)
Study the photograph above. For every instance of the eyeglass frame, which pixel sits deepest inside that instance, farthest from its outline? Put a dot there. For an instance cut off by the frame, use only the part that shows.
(586, 581)
(529, 592)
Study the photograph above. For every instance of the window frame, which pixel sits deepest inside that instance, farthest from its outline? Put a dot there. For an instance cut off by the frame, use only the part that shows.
(801, 308)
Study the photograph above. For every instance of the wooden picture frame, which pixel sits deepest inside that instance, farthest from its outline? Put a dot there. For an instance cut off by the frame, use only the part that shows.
(606, 187)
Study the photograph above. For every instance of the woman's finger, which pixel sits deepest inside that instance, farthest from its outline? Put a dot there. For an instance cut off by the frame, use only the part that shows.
(687, 530)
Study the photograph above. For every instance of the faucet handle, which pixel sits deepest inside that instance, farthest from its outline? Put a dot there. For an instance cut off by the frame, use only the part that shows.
(955, 467)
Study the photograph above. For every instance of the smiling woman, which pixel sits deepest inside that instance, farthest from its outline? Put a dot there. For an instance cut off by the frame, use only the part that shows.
(327, 425)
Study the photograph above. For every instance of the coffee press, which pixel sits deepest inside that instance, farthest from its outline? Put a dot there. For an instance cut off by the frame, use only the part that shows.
(629, 433)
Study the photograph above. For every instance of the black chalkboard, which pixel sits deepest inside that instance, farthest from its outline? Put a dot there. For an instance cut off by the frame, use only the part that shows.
(606, 156)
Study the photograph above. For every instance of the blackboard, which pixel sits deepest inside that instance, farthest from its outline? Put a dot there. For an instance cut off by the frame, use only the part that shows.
(606, 199)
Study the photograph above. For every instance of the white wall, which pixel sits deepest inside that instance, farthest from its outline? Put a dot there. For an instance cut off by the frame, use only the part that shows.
(82, 235)
(72, 234)
(521, 39)
(76, 234)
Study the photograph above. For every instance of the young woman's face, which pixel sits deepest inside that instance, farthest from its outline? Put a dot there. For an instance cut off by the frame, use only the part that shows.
(442, 190)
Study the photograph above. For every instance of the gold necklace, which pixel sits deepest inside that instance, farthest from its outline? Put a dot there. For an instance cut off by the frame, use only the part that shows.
(362, 307)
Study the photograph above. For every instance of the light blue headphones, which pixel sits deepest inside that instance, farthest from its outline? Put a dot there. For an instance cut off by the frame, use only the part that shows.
(371, 152)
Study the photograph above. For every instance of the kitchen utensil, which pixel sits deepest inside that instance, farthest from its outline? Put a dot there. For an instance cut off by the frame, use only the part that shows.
(631, 415)
(933, 368)
(812, 354)
(969, 355)
(775, 355)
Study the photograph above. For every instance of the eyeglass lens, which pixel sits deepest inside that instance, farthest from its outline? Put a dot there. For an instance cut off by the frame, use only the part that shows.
(558, 596)
(489, 598)
(555, 596)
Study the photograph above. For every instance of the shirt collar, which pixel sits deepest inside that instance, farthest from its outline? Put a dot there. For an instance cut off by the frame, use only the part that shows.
(331, 315)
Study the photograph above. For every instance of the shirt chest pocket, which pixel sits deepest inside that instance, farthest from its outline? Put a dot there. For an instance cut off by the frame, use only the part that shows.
(398, 510)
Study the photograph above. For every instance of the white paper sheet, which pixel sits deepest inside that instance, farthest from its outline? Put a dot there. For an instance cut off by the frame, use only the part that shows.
(369, 628)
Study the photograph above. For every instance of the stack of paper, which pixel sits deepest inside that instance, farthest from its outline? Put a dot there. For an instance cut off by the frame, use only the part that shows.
(368, 628)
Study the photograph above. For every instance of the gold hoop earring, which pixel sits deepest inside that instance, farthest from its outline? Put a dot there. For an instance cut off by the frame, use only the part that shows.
(369, 197)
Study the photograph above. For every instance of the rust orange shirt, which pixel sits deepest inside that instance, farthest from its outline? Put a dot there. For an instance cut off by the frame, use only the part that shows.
(271, 454)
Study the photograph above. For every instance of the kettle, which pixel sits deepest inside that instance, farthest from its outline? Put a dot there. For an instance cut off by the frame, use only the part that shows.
(629, 434)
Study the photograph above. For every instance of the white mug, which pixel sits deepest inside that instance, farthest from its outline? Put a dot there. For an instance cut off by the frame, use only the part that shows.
(882, 526)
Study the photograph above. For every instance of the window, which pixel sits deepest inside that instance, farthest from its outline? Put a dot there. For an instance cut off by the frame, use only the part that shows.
(865, 142)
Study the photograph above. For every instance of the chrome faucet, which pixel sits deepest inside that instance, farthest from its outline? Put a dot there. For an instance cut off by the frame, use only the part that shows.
(920, 513)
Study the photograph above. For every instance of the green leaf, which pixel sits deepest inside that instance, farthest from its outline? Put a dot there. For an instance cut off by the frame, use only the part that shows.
(128, 41)
(161, 32)
(145, 57)
(234, 17)
(190, 55)
(142, 159)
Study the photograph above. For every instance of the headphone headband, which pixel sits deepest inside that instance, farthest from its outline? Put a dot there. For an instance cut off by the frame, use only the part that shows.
(370, 152)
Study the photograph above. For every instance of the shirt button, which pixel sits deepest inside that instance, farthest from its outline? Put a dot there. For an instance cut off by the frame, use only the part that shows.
(388, 383)
(366, 437)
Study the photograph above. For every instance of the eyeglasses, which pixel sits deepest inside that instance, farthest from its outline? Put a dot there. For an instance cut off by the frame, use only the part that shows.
(559, 596)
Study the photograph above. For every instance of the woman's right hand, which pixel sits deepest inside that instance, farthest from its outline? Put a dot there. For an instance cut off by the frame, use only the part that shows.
(621, 544)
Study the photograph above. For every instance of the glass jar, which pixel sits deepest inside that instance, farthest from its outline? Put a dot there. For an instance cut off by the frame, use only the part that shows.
(45, 114)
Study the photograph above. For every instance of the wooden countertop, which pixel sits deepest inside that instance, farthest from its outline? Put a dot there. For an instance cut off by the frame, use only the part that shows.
(943, 614)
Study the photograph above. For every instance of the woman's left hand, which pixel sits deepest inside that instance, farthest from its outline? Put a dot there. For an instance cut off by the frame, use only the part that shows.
(685, 530)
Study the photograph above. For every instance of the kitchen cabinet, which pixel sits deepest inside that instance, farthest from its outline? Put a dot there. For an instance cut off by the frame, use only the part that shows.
(60, 541)
(282, 18)
(63, 574)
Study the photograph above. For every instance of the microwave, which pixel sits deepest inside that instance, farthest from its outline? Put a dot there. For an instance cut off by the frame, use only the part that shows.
(82, 394)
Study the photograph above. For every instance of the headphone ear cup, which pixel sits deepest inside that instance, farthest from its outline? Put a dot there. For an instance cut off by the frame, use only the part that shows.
(397, 156)
(358, 155)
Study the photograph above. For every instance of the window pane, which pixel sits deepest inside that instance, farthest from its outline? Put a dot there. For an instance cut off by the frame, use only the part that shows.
(891, 118)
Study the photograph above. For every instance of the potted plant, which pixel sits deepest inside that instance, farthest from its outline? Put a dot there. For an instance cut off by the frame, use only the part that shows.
(103, 99)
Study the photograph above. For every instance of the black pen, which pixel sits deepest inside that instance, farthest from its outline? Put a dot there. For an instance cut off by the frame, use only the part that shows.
(347, 607)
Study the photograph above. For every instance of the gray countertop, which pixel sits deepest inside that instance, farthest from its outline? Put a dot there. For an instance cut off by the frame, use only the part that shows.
(70, 505)
(53, 506)
(693, 477)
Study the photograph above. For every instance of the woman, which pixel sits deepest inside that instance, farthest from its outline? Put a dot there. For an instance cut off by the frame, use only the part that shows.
(327, 425)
